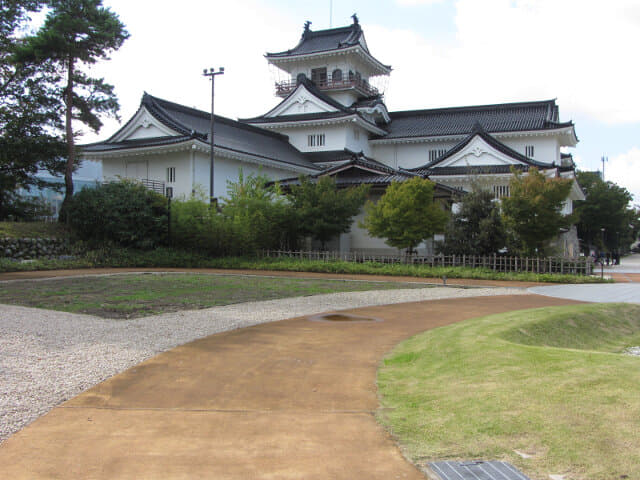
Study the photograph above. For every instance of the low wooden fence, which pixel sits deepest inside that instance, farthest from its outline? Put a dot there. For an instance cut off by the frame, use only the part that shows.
(499, 263)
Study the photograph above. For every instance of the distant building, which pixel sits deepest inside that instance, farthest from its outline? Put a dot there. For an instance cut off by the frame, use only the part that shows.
(332, 120)
(88, 174)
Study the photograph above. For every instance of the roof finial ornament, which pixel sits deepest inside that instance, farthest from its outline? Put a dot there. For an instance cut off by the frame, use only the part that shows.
(355, 19)
(307, 26)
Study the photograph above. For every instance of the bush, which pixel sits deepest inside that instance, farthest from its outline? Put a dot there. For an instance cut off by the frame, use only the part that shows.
(253, 217)
(124, 212)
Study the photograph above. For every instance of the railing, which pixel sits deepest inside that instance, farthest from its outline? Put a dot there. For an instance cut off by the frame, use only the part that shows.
(155, 185)
(286, 87)
(498, 263)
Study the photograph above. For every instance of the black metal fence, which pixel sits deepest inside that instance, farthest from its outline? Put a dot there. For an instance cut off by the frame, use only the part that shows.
(498, 263)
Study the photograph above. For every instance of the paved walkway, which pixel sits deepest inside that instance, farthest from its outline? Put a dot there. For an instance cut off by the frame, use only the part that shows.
(601, 293)
(287, 400)
(627, 288)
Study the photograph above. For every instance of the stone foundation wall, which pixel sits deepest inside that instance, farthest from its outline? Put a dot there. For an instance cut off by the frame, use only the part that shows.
(29, 248)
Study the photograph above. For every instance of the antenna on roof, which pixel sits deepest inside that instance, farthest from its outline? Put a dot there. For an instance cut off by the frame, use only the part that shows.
(330, 13)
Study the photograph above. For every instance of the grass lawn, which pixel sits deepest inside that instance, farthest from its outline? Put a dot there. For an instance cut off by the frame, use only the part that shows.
(131, 296)
(550, 383)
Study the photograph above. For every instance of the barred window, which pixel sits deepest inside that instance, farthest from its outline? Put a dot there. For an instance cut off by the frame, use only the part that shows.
(171, 174)
(316, 140)
(500, 191)
(436, 153)
(528, 150)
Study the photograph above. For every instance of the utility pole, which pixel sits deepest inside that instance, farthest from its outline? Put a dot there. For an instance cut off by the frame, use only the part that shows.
(604, 159)
(212, 73)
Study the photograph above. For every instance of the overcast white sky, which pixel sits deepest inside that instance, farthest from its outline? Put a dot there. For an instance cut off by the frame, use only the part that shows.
(443, 52)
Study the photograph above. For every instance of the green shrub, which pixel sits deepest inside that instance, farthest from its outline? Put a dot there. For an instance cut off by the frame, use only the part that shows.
(124, 212)
(254, 216)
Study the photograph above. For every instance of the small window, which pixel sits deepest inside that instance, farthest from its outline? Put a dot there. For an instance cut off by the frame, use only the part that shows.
(316, 140)
(529, 151)
(169, 192)
(319, 76)
(336, 76)
(501, 191)
(436, 153)
(171, 174)
(358, 77)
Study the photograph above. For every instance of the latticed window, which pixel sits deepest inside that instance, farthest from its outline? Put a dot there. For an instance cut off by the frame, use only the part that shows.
(436, 153)
(529, 151)
(316, 140)
(171, 174)
(500, 191)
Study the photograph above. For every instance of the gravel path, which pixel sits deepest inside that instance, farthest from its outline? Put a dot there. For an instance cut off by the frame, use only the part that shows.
(47, 357)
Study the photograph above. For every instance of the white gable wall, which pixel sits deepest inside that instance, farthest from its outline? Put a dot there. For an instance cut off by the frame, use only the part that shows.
(143, 125)
(412, 155)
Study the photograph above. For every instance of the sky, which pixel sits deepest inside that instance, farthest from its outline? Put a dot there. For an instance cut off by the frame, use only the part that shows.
(443, 53)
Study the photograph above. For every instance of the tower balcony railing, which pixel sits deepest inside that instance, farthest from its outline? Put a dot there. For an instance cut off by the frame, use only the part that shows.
(361, 86)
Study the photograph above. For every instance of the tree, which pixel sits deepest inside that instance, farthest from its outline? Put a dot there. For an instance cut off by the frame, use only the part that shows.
(533, 212)
(78, 33)
(29, 114)
(125, 212)
(607, 206)
(477, 228)
(406, 214)
(323, 210)
(265, 218)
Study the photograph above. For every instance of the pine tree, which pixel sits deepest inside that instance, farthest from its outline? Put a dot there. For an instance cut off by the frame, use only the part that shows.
(77, 33)
(29, 112)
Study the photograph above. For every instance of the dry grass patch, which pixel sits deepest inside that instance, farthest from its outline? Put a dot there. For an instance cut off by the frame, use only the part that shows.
(138, 295)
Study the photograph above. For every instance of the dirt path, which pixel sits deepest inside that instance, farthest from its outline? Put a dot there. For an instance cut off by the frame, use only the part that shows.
(287, 400)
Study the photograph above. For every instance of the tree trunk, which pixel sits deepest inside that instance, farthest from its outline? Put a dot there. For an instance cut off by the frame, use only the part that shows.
(71, 150)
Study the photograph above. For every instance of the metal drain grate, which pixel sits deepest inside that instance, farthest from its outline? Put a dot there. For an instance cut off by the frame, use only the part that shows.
(477, 470)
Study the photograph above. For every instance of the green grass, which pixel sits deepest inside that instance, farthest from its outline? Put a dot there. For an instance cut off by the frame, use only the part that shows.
(164, 257)
(131, 296)
(33, 230)
(548, 382)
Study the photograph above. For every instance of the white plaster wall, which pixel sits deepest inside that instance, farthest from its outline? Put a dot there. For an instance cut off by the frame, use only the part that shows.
(345, 98)
(546, 149)
(407, 155)
(361, 143)
(190, 175)
(335, 138)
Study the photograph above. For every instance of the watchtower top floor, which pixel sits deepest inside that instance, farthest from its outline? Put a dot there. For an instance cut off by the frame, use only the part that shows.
(336, 60)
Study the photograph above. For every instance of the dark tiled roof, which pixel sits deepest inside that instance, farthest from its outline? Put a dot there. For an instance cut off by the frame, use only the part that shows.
(491, 141)
(506, 117)
(137, 143)
(332, 39)
(324, 40)
(229, 134)
(297, 117)
(368, 102)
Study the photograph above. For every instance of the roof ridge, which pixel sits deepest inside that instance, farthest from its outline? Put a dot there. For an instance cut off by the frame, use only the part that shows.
(473, 107)
(218, 118)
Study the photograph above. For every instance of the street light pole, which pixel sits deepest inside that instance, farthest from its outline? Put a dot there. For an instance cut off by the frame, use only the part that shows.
(212, 73)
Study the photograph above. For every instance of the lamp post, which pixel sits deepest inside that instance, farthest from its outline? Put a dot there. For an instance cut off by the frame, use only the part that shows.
(212, 73)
